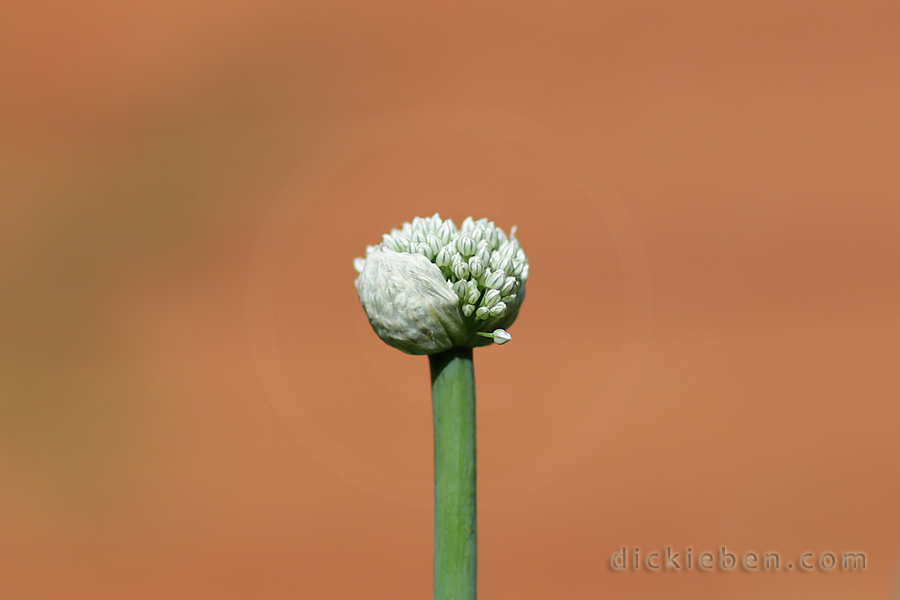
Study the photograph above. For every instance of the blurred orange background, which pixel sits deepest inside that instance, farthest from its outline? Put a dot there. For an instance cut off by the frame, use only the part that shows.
(192, 404)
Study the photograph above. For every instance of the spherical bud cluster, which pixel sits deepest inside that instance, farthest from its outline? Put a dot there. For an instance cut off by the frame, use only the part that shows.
(428, 286)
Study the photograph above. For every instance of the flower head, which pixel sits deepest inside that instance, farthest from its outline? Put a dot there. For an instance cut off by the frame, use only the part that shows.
(428, 286)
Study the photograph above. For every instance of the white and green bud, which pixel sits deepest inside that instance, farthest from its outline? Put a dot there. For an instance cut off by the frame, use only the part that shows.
(409, 304)
(435, 244)
(491, 297)
(444, 257)
(461, 289)
(460, 267)
(494, 280)
(476, 266)
(389, 242)
(425, 250)
(473, 295)
(446, 231)
(466, 245)
(429, 286)
(500, 337)
(484, 252)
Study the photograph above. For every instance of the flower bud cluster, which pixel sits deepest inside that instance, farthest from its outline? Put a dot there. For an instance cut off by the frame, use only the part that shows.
(478, 263)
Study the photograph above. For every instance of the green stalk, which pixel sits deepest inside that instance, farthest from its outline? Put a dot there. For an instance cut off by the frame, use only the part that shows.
(455, 540)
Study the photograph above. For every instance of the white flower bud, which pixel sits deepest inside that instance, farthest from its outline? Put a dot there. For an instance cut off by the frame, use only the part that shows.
(500, 336)
(435, 244)
(406, 284)
(494, 280)
(484, 253)
(445, 231)
(444, 257)
(476, 266)
(409, 304)
(466, 245)
(389, 241)
(424, 250)
(461, 289)
(459, 267)
(508, 250)
(491, 297)
(495, 237)
(509, 286)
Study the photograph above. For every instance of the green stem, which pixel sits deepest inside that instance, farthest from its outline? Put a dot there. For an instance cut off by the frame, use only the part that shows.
(455, 540)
